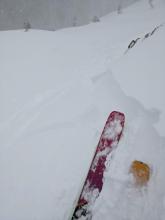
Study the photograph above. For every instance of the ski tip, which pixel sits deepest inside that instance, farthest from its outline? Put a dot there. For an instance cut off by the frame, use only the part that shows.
(117, 115)
(116, 112)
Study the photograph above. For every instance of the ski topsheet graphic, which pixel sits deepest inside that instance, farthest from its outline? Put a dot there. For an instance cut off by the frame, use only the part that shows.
(94, 181)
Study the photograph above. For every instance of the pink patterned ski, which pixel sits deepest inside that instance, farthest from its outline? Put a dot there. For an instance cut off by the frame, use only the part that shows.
(94, 181)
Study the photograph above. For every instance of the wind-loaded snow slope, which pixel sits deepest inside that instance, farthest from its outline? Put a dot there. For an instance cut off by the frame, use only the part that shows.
(57, 89)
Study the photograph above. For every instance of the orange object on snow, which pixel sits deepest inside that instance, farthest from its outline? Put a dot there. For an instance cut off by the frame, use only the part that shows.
(141, 172)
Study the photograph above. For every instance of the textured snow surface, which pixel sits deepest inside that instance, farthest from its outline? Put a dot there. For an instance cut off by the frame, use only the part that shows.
(113, 130)
(56, 92)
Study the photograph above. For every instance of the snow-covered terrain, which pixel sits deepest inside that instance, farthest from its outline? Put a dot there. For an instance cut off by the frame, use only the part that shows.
(56, 92)
(55, 14)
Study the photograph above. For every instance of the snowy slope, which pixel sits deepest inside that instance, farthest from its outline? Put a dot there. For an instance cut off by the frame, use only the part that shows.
(57, 89)
(54, 14)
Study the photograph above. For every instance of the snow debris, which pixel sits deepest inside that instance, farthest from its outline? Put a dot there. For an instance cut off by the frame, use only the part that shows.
(112, 130)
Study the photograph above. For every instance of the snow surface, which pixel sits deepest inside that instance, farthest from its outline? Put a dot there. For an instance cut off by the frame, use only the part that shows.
(112, 131)
(57, 90)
